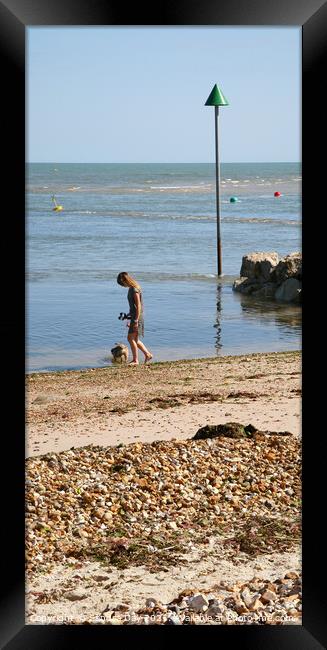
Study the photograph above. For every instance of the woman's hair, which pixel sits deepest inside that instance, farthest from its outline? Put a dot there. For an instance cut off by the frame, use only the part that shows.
(125, 279)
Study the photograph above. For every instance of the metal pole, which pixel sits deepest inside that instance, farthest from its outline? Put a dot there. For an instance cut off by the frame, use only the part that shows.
(217, 192)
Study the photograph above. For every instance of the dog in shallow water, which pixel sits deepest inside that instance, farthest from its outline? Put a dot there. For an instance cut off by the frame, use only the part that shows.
(120, 353)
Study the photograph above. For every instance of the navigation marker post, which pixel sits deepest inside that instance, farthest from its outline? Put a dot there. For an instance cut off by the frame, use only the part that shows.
(216, 99)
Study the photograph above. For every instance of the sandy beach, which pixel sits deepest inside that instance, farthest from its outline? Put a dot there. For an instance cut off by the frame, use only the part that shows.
(93, 434)
(161, 401)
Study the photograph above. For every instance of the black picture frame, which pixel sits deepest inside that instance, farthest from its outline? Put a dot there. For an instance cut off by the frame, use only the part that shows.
(15, 17)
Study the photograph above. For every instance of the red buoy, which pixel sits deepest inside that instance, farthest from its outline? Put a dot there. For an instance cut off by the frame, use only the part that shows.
(277, 194)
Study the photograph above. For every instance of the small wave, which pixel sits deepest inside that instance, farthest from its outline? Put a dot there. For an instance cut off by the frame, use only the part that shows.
(190, 217)
(82, 275)
(36, 276)
(263, 220)
(180, 187)
(159, 216)
(123, 189)
(180, 277)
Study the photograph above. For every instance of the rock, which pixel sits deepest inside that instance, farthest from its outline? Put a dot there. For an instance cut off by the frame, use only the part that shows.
(292, 597)
(256, 604)
(268, 595)
(121, 607)
(264, 276)
(77, 594)
(247, 598)
(289, 291)
(291, 575)
(289, 266)
(258, 266)
(40, 399)
(267, 291)
(173, 619)
(150, 602)
(99, 513)
(100, 578)
(131, 618)
(198, 603)
(246, 285)
(240, 606)
(215, 610)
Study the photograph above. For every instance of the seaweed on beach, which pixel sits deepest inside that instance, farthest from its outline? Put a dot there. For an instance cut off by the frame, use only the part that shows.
(122, 553)
(228, 430)
(261, 535)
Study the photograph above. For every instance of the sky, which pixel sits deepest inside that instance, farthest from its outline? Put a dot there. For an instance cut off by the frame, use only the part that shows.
(137, 94)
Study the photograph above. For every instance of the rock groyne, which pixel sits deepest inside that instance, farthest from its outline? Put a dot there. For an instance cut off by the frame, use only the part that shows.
(265, 275)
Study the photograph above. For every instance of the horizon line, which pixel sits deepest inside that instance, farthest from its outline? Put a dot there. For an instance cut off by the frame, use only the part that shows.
(141, 162)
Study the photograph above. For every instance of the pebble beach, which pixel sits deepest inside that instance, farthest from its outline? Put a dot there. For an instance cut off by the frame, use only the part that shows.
(135, 517)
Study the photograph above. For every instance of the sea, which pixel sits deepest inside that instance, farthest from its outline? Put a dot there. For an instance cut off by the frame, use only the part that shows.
(157, 222)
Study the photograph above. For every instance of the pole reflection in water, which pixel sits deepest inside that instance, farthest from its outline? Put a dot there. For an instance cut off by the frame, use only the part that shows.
(217, 325)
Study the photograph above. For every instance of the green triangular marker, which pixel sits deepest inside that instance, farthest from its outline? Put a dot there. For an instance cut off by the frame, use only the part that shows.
(216, 98)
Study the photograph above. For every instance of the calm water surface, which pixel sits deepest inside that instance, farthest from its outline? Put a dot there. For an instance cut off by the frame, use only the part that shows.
(158, 222)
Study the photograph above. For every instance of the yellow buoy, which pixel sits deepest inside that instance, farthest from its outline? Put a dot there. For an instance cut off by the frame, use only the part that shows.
(57, 208)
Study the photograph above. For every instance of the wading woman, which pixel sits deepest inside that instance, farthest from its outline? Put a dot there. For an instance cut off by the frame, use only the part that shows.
(136, 327)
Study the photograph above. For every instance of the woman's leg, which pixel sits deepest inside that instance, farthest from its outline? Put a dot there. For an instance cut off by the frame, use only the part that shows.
(132, 339)
(143, 349)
